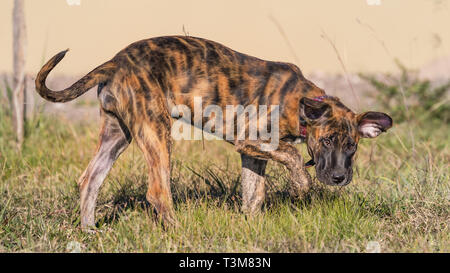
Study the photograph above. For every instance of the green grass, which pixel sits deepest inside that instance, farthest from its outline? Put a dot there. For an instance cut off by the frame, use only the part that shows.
(399, 197)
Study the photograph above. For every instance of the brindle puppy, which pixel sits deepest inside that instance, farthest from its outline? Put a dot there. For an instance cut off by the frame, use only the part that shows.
(139, 86)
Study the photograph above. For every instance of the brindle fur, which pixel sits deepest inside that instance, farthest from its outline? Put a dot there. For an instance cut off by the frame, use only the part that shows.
(139, 86)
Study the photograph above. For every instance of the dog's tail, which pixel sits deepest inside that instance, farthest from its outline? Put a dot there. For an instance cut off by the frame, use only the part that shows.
(100, 74)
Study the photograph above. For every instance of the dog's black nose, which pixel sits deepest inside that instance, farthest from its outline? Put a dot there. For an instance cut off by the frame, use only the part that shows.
(338, 178)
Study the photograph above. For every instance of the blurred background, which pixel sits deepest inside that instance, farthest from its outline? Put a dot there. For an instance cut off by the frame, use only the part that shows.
(326, 39)
(415, 31)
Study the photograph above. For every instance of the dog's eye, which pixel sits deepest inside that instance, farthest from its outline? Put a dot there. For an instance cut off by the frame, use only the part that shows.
(326, 142)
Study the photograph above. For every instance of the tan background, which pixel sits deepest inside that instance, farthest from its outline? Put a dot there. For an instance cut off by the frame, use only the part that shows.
(416, 32)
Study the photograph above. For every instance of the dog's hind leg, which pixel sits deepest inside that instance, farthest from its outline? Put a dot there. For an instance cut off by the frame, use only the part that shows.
(113, 141)
(154, 141)
(253, 183)
(151, 130)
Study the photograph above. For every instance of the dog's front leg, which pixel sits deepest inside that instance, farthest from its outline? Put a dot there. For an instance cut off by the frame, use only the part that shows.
(253, 183)
(285, 154)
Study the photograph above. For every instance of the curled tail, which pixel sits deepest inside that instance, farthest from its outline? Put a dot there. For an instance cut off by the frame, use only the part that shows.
(100, 74)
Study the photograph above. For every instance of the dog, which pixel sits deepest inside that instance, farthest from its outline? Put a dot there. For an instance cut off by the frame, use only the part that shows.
(138, 87)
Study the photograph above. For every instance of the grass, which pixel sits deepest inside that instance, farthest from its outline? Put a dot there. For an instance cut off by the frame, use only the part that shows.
(399, 197)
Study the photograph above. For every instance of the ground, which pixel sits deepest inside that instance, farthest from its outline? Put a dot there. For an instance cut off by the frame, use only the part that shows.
(398, 200)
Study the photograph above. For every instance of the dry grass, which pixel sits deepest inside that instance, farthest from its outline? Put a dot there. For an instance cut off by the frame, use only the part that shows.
(399, 198)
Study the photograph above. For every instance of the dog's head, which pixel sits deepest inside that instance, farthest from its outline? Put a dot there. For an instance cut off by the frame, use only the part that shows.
(333, 135)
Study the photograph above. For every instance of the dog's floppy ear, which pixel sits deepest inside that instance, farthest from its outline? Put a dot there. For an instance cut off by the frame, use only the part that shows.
(372, 124)
(314, 111)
